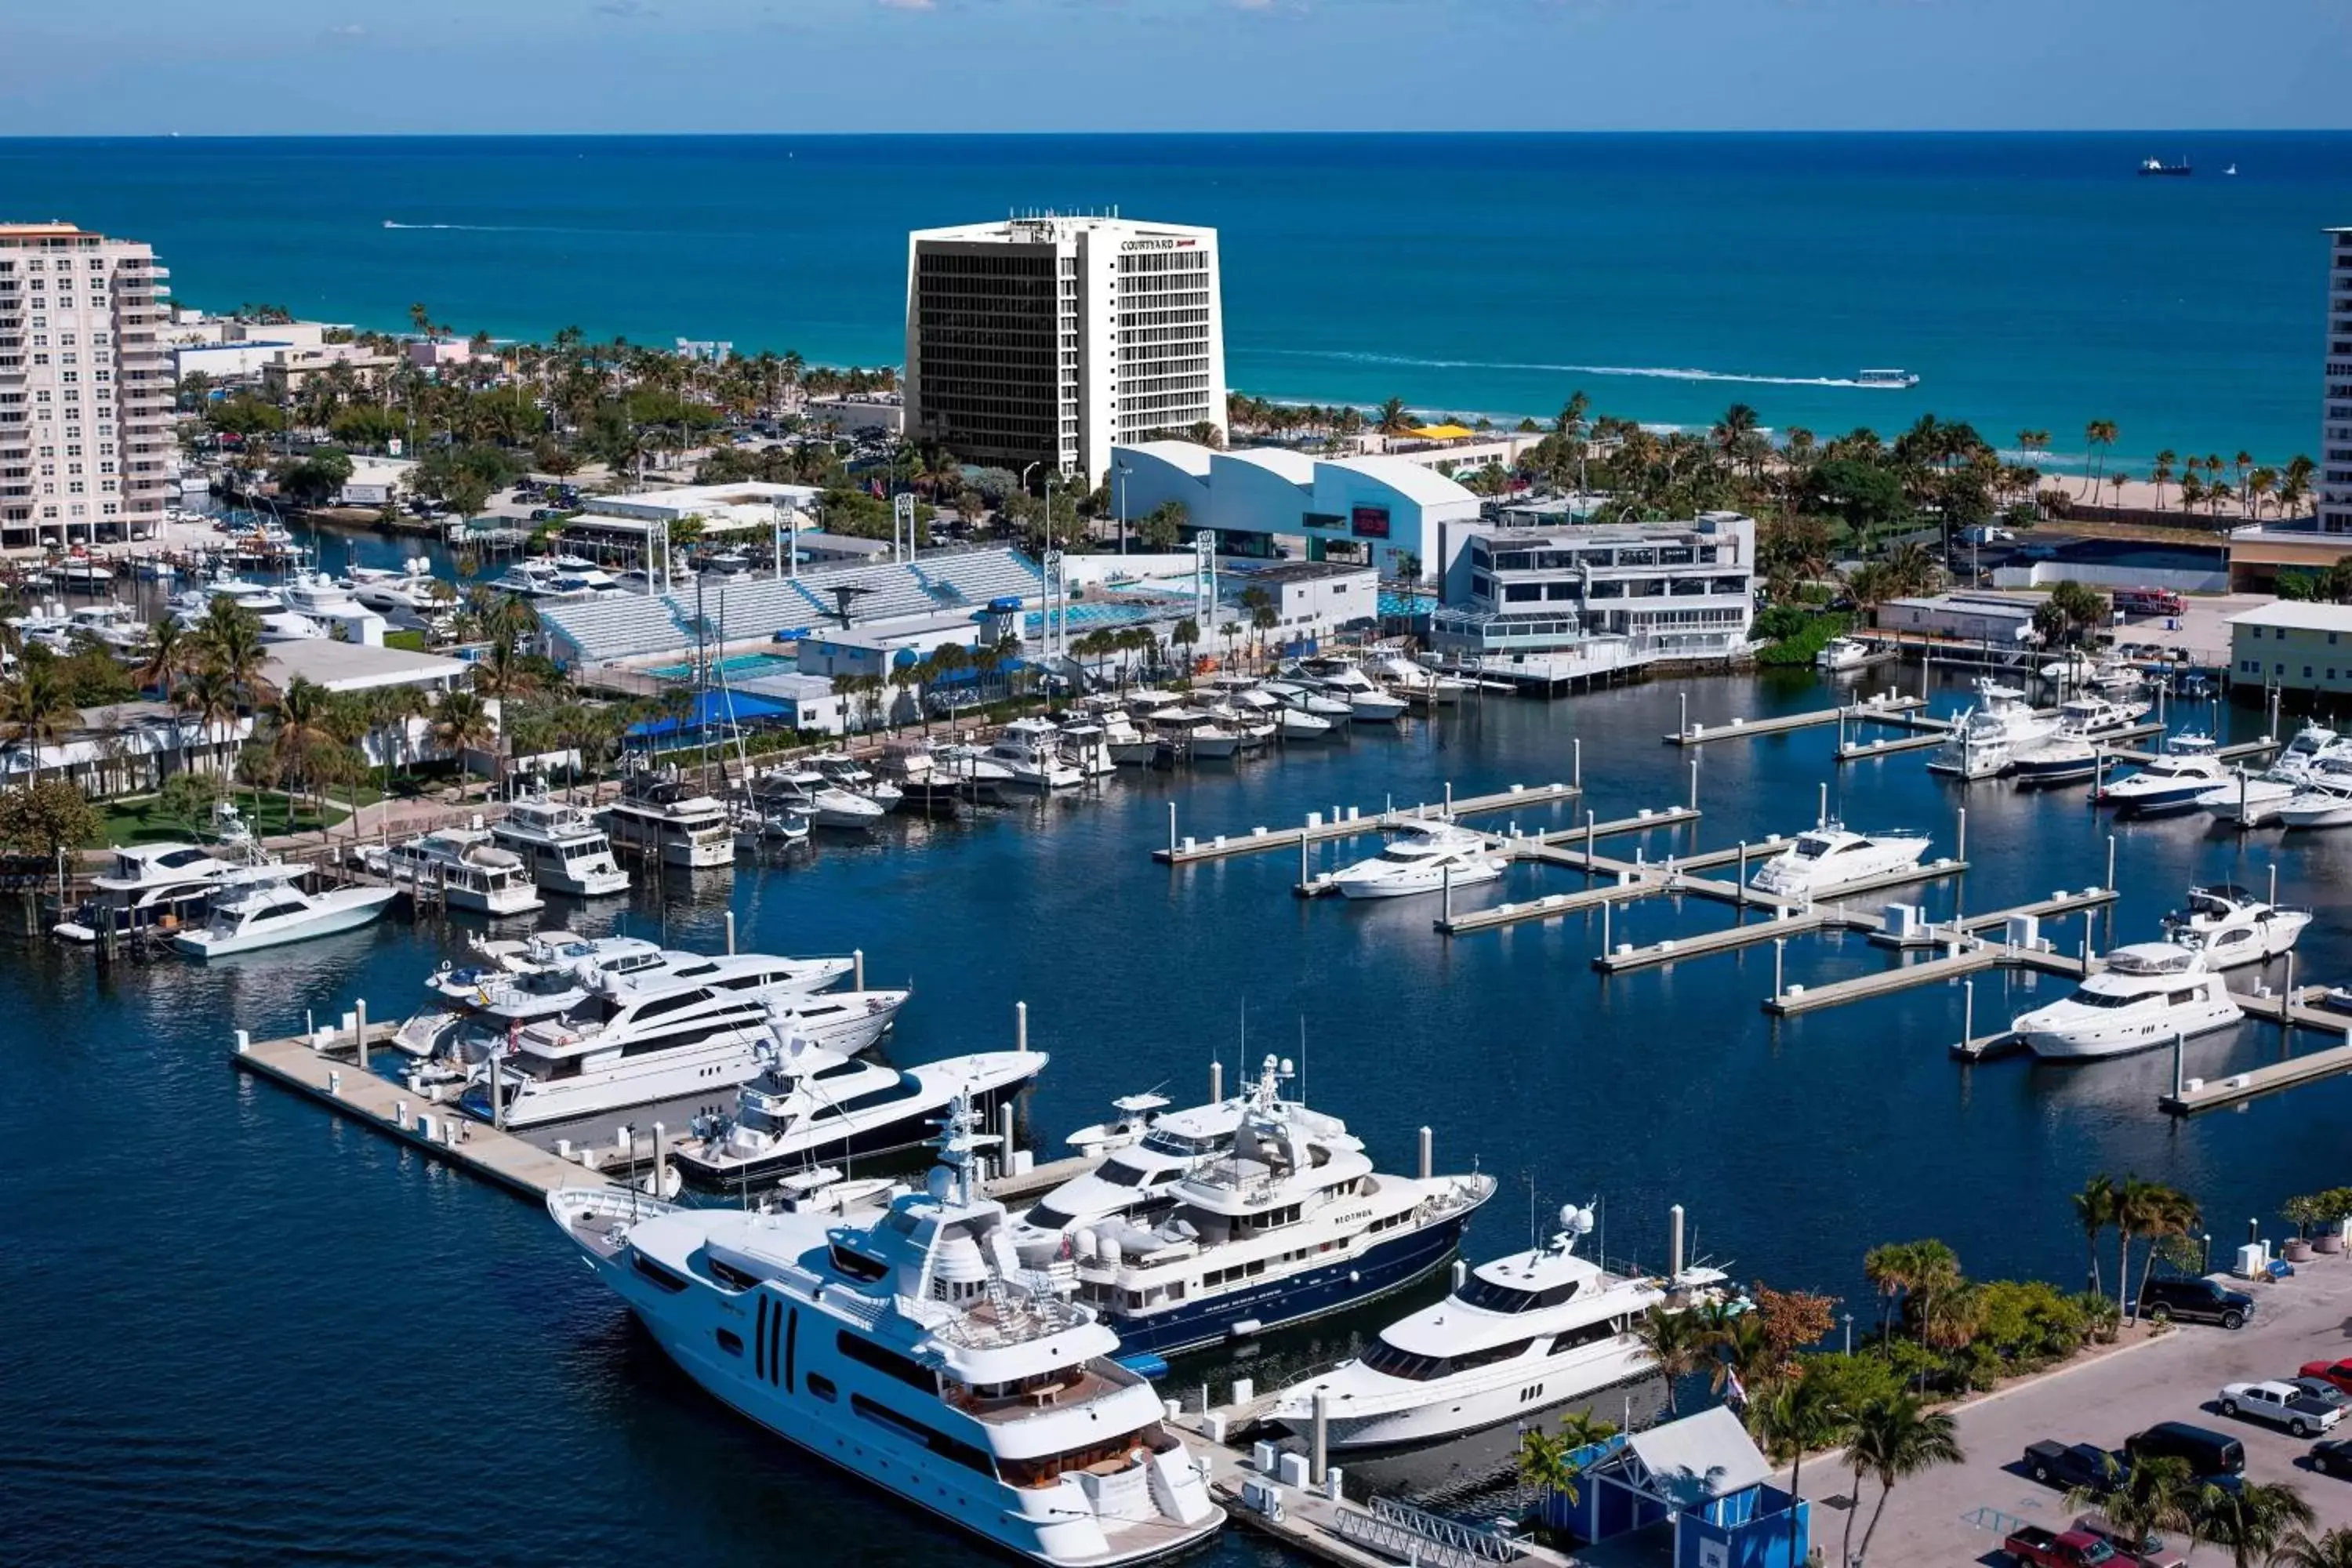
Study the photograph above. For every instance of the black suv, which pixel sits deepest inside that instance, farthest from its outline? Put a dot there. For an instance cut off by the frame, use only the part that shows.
(2194, 1300)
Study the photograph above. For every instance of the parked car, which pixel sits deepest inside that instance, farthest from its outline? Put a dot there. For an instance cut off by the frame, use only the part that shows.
(2194, 1300)
(2070, 1464)
(2281, 1405)
(2338, 1372)
(2039, 1548)
(2322, 1390)
(2333, 1458)
(2146, 1551)
(2208, 1453)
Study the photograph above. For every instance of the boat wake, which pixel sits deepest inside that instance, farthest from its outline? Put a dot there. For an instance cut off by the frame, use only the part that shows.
(1654, 372)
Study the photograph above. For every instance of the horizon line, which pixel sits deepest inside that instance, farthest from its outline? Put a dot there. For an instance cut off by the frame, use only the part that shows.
(1163, 135)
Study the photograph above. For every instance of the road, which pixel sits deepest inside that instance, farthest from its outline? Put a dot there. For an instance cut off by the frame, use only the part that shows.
(2170, 1376)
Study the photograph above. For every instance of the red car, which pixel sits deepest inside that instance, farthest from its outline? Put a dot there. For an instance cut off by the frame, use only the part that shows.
(2338, 1372)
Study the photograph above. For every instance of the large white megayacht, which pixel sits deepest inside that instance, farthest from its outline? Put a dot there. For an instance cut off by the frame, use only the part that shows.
(153, 884)
(1834, 856)
(1517, 1335)
(2148, 993)
(918, 1353)
(1289, 1222)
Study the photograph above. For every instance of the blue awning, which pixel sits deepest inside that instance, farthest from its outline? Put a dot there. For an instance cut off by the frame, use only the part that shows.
(718, 707)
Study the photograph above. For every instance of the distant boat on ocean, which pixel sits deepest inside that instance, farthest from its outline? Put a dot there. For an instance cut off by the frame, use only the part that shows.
(1896, 379)
(2231, 170)
(2158, 166)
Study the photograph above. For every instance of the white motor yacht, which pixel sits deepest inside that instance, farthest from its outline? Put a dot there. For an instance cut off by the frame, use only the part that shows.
(271, 914)
(846, 772)
(916, 1354)
(1416, 682)
(1293, 1223)
(1085, 746)
(313, 593)
(166, 886)
(2149, 993)
(561, 845)
(1030, 750)
(1985, 739)
(1307, 698)
(1423, 858)
(661, 815)
(2180, 777)
(2228, 926)
(1129, 747)
(798, 789)
(2250, 800)
(1128, 1128)
(623, 1045)
(808, 1105)
(468, 869)
(975, 774)
(2073, 751)
(1188, 734)
(1839, 653)
(409, 596)
(1368, 703)
(1517, 1335)
(1832, 857)
(2323, 801)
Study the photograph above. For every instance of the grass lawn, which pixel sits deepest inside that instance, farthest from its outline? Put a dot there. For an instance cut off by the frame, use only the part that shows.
(139, 822)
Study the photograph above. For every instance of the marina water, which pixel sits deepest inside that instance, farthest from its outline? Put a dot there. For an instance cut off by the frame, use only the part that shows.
(242, 1329)
(2032, 280)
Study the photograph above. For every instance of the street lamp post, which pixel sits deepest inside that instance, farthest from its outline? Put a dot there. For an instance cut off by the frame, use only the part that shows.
(1119, 473)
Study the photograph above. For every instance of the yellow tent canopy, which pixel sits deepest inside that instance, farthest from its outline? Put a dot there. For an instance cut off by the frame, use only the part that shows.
(1443, 431)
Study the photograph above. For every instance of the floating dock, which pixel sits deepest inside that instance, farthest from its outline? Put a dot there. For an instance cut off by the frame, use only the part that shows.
(2192, 1095)
(1887, 707)
(1319, 829)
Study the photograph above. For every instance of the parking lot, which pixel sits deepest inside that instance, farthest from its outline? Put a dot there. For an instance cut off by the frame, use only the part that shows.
(2173, 1377)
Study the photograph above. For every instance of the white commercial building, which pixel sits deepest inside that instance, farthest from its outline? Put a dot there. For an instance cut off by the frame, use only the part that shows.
(1050, 338)
(86, 391)
(1307, 598)
(2335, 431)
(1390, 514)
(1552, 606)
(2002, 620)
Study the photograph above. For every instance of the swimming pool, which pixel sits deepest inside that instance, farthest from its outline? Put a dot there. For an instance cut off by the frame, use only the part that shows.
(742, 667)
(1094, 616)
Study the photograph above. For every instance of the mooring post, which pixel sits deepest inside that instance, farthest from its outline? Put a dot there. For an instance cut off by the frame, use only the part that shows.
(2273, 897)
(1741, 903)
(1004, 1128)
(1693, 783)
(731, 933)
(1968, 1016)
(1171, 829)
(1822, 817)
(1606, 904)
(359, 1034)
(1589, 828)
(1428, 1153)
(1576, 761)
(2111, 863)
(1303, 878)
(1449, 800)
(1960, 852)
(1446, 888)
(2286, 1009)
(1780, 954)
(1317, 1465)
(1216, 1081)
(1683, 728)
(2178, 1083)
(857, 968)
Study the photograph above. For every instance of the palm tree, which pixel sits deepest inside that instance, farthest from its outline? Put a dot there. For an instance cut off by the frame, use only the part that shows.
(1546, 1463)
(2133, 1200)
(37, 706)
(1187, 636)
(230, 639)
(2152, 1496)
(1893, 1440)
(1797, 1414)
(212, 698)
(2164, 1212)
(1679, 1344)
(2097, 437)
(1889, 1267)
(2095, 1210)
(2299, 1550)
(1394, 419)
(169, 653)
(303, 738)
(1744, 1355)
(2162, 473)
(2254, 1520)
(461, 723)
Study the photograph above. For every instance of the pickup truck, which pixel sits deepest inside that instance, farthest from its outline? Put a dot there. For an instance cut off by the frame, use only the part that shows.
(2056, 1463)
(2034, 1547)
(2148, 1552)
(2281, 1405)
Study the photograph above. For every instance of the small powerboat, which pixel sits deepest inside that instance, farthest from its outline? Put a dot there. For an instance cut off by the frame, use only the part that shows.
(1424, 857)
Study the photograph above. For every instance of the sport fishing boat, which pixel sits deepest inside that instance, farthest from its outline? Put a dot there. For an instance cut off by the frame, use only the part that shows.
(661, 815)
(1423, 858)
(1832, 856)
(843, 771)
(916, 1353)
(1843, 654)
(469, 870)
(804, 791)
(623, 1046)
(2179, 777)
(1030, 750)
(1368, 703)
(1307, 698)
(271, 914)
(2148, 993)
(562, 847)
(1288, 1224)
(2228, 926)
(1189, 734)
(1123, 1130)
(167, 885)
(1517, 1335)
(809, 1105)
(2323, 801)
(1985, 738)
(2250, 800)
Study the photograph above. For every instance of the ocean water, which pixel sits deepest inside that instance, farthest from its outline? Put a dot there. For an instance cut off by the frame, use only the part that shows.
(2032, 280)
(242, 1331)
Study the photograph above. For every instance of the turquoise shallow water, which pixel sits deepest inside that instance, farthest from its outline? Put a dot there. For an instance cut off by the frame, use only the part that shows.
(2031, 280)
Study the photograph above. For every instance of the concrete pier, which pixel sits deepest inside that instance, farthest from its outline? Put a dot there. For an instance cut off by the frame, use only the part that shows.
(1886, 708)
(1191, 851)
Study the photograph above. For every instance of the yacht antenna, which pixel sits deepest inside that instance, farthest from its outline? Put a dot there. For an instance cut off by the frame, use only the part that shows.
(1532, 1227)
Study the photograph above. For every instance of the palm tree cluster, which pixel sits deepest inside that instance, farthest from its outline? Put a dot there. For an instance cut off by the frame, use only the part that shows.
(1285, 421)
(2136, 1210)
(2261, 1524)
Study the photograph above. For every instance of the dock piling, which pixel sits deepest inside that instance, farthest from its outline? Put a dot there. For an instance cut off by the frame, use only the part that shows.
(1445, 890)
(2111, 863)
(1693, 783)
(1960, 850)
(2286, 1009)
(1606, 905)
(1449, 800)
(1673, 1243)
(1004, 1131)
(1822, 818)
(2179, 1040)
(1317, 1461)
(1779, 958)
(1682, 726)
(2273, 897)
(661, 1156)
(1216, 1081)
(1576, 761)
(857, 967)
(1171, 829)
(359, 1031)
(1587, 838)
(1428, 1155)
(1021, 1028)
(1305, 877)
(731, 933)
(1967, 1016)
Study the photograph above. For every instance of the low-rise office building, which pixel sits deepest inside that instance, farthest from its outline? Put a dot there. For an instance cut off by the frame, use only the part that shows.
(1307, 598)
(1549, 606)
(2293, 646)
(2003, 620)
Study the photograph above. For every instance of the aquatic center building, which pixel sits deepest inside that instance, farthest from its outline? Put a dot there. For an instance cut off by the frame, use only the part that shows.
(1050, 338)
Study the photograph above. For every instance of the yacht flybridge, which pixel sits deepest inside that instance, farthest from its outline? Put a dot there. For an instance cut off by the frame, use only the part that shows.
(2148, 993)
(1423, 858)
(1289, 1222)
(1517, 1335)
(1834, 856)
(917, 1353)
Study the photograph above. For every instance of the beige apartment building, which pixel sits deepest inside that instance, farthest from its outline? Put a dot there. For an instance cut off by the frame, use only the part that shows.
(86, 391)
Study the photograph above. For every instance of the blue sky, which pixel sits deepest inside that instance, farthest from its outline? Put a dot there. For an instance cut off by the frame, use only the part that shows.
(254, 66)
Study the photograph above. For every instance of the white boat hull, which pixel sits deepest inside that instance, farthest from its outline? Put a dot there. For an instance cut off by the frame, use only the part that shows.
(2334, 814)
(2087, 1039)
(1412, 880)
(1491, 1396)
(342, 910)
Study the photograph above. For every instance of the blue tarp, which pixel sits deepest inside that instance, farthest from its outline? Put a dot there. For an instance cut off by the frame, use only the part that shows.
(718, 708)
